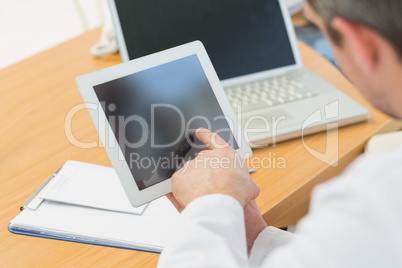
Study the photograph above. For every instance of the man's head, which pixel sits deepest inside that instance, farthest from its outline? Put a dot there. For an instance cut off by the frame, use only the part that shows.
(366, 37)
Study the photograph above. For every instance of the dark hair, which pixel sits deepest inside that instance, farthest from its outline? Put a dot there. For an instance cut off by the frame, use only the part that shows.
(383, 16)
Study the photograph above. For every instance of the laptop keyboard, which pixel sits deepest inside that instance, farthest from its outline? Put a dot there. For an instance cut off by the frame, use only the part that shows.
(268, 93)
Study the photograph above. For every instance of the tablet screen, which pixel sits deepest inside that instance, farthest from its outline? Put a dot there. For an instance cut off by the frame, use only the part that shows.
(154, 113)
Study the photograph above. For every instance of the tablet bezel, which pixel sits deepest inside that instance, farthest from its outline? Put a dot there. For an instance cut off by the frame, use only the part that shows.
(86, 84)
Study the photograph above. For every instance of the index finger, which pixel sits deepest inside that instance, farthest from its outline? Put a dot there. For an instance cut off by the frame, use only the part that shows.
(211, 140)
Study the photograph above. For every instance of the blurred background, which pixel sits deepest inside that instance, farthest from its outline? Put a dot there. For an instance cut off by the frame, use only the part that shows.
(28, 27)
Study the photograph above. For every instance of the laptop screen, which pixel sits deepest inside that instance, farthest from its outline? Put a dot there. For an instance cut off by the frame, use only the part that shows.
(241, 36)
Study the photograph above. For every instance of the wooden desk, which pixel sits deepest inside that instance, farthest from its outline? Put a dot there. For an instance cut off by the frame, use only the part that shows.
(36, 95)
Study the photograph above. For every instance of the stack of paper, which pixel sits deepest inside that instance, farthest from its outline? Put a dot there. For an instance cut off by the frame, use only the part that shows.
(86, 203)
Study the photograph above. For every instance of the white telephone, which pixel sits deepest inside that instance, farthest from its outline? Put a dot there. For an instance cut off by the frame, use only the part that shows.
(294, 5)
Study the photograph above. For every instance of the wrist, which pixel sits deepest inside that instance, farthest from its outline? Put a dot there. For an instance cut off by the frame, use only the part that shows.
(254, 233)
(255, 223)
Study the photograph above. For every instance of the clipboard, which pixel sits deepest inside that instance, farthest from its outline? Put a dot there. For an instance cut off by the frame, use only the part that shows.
(147, 231)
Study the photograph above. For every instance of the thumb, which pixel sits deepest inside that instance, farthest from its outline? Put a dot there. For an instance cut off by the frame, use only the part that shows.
(254, 191)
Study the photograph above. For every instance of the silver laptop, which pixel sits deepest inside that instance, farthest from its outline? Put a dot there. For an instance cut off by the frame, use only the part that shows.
(253, 47)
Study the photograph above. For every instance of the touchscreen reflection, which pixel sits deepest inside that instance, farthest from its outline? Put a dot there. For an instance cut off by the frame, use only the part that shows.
(156, 113)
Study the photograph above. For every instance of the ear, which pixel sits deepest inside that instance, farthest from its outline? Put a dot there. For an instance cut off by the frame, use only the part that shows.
(360, 41)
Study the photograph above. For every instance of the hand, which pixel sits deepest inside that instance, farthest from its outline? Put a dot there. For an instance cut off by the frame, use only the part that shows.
(217, 170)
(174, 202)
(254, 223)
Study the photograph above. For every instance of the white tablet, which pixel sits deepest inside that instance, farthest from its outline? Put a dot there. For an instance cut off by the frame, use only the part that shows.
(147, 110)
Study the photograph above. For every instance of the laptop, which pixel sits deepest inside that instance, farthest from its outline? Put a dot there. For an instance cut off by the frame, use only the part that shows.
(253, 47)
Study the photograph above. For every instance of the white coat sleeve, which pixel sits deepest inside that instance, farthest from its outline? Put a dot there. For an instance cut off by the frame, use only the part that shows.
(354, 221)
(269, 239)
(210, 233)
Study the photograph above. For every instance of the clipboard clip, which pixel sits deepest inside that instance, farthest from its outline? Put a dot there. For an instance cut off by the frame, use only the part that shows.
(34, 199)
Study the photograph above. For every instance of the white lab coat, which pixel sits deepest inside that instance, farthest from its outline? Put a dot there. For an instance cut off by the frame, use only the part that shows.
(355, 220)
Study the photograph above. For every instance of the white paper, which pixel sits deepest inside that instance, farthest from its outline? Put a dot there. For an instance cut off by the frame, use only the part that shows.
(89, 185)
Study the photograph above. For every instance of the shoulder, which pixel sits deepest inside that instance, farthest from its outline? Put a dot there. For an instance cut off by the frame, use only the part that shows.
(359, 212)
(369, 186)
(367, 173)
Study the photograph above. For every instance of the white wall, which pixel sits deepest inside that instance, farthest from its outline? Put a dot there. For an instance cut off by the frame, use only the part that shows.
(31, 26)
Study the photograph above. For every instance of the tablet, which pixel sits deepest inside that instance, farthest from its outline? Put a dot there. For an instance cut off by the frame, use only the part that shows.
(147, 110)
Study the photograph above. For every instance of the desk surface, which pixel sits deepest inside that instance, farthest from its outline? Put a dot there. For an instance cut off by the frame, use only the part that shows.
(37, 94)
